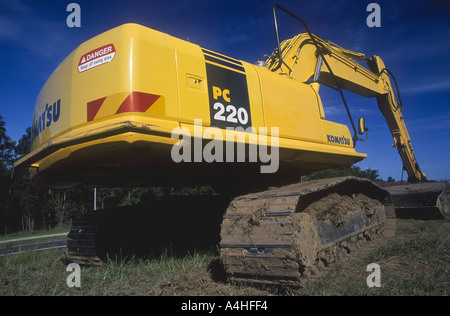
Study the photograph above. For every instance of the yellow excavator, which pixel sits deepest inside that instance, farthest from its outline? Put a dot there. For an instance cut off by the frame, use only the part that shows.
(137, 107)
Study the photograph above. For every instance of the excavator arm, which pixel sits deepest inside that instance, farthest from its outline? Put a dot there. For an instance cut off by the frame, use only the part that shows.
(392, 112)
(307, 57)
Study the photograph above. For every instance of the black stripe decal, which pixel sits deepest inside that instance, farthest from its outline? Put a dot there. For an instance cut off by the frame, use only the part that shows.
(214, 54)
(224, 63)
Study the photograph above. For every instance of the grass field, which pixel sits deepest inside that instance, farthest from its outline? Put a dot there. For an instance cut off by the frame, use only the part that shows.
(415, 262)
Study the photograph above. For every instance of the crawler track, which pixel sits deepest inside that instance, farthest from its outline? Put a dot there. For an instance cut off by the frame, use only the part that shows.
(283, 235)
(82, 240)
(176, 224)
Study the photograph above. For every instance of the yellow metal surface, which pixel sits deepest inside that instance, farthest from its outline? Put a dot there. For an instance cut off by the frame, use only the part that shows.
(144, 61)
(296, 119)
(392, 112)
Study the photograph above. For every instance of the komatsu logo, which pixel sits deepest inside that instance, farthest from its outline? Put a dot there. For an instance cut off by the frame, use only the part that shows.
(338, 140)
(50, 115)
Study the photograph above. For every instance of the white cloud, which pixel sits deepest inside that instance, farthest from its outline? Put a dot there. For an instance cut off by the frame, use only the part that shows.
(427, 86)
(435, 122)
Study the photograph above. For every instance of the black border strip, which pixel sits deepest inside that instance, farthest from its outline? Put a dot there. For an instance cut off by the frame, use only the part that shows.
(222, 60)
(214, 54)
(224, 63)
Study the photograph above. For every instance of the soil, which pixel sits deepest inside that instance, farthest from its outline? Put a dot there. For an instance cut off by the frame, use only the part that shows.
(335, 207)
(202, 284)
(209, 283)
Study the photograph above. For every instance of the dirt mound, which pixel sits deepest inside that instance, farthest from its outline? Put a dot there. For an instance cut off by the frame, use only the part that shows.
(201, 284)
(336, 208)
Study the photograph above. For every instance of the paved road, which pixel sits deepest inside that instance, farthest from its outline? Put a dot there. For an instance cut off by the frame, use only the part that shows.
(55, 242)
(34, 237)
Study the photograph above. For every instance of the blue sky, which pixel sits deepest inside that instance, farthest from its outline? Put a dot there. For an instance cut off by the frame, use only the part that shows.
(413, 41)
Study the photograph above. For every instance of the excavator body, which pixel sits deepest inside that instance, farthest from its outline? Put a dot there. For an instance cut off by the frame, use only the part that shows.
(137, 107)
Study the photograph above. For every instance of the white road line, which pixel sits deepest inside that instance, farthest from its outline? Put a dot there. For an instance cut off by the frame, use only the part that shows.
(31, 238)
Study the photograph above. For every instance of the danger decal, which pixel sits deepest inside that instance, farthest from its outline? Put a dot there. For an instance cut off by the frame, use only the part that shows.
(97, 57)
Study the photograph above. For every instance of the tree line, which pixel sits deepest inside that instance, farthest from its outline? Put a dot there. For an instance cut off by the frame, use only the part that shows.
(24, 207)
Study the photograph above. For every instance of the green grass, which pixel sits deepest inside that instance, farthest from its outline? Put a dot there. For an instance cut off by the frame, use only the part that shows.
(416, 262)
(45, 274)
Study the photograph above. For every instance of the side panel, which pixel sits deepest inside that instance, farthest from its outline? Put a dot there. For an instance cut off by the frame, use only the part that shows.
(221, 91)
(192, 83)
(129, 69)
(143, 71)
(291, 106)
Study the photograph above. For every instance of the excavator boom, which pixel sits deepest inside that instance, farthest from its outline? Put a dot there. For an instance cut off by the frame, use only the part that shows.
(307, 57)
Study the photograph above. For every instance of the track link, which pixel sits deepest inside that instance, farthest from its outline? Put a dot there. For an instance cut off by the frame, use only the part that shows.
(82, 240)
(284, 235)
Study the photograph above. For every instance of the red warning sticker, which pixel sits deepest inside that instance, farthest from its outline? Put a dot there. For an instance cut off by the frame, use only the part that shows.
(97, 57)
